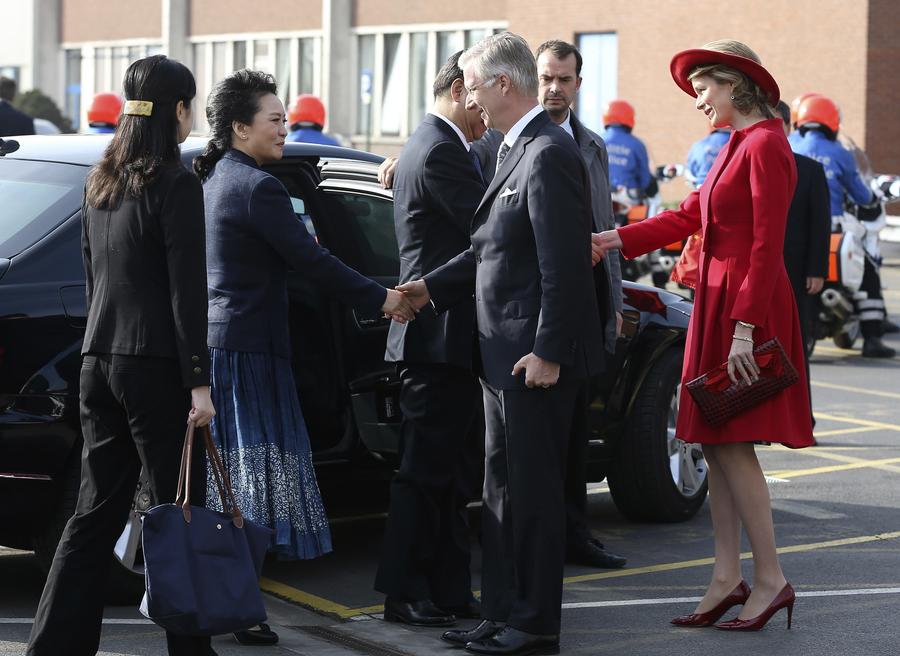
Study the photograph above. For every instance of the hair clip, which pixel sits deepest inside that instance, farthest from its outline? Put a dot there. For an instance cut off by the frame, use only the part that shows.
(138, 108)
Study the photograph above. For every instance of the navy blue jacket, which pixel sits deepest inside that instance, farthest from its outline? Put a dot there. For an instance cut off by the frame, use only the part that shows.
(13, 122)
(253, 237)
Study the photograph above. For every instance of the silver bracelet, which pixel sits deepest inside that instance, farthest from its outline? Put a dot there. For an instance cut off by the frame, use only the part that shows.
(743, 339)
(746, 325)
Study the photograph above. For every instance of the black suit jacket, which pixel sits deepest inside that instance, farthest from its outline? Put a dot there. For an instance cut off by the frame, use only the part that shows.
(530, 262)
(436, 191)
(145, 266)
(13, 122)
(806, 240)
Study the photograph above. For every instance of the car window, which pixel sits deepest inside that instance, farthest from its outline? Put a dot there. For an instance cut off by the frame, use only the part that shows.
(364, 229)
(35, 197)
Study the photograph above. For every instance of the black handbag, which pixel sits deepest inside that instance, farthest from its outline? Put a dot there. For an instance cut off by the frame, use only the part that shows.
(203, 566)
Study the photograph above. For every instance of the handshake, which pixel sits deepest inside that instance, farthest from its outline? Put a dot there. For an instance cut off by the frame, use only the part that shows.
(403, 302)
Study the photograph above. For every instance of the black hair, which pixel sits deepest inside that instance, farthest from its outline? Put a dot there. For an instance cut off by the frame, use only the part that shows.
(449, 73)
(142, 145)
(561, 50)
(8, 88)
(236, 98)
(785, 111)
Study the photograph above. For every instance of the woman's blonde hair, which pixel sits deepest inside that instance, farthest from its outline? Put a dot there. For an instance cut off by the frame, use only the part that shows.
(746, 94)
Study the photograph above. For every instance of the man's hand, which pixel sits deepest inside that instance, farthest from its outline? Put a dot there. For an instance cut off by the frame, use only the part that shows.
(601, 242)
(386, 172)
(416, 292)
(398, 307)
(538, 372)
(814, 285)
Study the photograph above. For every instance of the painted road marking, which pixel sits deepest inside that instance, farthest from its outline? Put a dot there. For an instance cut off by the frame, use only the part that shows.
(858, 390)
(859, 422)
(863, 464)
(845, 431)
(817, 453)
(30, 620)
(804, 510)
(685, 600)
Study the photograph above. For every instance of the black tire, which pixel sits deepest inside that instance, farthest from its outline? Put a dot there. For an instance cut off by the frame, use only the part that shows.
(640, 477)
(124, 586)
(847, 337)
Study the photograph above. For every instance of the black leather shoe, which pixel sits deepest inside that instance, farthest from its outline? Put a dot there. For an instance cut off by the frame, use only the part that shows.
(260, 636)
(873, 347)
(483, 631)
(512, 642)
(469, 611)
(416, 613)
(593, 554)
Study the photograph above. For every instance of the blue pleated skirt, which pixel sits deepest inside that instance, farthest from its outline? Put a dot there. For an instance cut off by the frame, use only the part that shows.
(260, 432)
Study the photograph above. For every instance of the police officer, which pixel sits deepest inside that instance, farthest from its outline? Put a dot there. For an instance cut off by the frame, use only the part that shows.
(103, 114)
(818, 119)
(306, 119)
(628, 163)
(795, 136)
(703, 153)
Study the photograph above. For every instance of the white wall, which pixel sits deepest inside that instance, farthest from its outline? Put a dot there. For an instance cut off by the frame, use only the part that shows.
(17, 44)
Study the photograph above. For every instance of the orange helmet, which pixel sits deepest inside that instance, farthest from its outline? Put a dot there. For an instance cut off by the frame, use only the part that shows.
(105, 109)
(307, 109)
(821, 110)
(618, 112)
(795, 104)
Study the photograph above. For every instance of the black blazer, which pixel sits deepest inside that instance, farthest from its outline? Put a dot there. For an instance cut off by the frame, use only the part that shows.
(436, 190)
(806, 240)
(145, 269)
(530, 262)
(13, 122)
(252, 237)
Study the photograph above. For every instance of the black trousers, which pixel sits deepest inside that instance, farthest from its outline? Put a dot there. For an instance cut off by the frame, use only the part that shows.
(133, 414)
(806, 307)
(871, 309)
(523, 518)
(576, 470)
(425, 552)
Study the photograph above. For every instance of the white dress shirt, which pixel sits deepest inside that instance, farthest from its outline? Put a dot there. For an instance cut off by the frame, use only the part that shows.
(455, 127)
(516, 130)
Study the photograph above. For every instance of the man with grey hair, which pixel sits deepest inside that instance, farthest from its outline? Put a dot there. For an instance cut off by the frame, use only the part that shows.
(539, 336)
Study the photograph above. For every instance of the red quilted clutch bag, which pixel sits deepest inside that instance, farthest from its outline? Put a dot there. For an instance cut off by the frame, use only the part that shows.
(719, 399)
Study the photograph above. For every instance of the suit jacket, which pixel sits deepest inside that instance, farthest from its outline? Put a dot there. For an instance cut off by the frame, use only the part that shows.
(806, 240)
(13, 122)
(436, 191)
(530, 262)
(145, 272)
(253, 238)
(608, 272)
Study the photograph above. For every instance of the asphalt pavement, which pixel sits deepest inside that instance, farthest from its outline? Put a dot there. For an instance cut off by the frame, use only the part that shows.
(837, 521)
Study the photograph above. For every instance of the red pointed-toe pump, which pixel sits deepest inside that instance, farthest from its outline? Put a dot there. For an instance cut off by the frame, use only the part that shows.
(784, 599)
(737, 597)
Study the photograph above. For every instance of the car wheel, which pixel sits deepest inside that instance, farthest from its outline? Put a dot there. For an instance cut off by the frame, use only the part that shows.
(848, 335)
(654, 475)
(125, 584)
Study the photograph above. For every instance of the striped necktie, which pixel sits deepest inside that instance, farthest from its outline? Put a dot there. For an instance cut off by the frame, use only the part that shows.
(501, 155)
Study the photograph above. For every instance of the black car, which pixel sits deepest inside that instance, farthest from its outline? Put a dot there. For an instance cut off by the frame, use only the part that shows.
(349, 393)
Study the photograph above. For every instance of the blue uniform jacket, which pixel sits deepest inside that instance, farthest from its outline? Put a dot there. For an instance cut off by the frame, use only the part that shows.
(253, 238)
(840, 169)
(309, 135)
(628, 163)
(704, 152)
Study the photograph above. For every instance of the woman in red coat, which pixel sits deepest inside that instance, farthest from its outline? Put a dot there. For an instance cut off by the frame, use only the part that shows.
(743, 298)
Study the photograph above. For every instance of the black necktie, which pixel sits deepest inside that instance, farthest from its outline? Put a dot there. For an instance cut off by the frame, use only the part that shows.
(477, 164)
(504, 148)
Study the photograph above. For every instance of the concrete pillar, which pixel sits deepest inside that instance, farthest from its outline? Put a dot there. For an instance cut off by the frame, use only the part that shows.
(48, 58)
(176, 29)
(338, 77)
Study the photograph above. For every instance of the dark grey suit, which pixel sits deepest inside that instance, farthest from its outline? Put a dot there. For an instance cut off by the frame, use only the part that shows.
(426, 544)
(530, 267)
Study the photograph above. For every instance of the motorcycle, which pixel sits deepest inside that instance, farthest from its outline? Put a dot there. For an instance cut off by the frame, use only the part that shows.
(633, 206)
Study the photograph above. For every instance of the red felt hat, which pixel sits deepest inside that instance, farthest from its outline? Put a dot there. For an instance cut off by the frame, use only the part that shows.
(687, 60)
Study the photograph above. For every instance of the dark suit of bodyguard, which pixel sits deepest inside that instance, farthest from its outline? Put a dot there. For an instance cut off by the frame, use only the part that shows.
(437, 187)
(531, 268)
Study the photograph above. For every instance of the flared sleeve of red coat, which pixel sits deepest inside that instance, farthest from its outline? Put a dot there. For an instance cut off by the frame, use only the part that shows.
(664, 228)
(773, 176)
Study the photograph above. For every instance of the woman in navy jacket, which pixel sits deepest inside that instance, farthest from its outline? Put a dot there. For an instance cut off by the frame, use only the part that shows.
(253, 237)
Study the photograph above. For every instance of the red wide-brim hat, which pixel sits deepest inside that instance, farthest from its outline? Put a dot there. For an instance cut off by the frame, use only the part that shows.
(687, 60)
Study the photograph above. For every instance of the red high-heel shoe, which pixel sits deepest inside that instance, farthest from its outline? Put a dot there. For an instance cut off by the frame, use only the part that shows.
(784, 599)
(738, 596)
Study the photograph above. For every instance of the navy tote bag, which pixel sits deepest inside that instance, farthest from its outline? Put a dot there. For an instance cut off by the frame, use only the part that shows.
(203, 566)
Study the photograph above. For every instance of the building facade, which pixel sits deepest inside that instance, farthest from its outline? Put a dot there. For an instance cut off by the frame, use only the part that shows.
(372, 61)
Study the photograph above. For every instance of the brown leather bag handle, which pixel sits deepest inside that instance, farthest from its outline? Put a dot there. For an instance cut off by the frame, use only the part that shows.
(223, 482)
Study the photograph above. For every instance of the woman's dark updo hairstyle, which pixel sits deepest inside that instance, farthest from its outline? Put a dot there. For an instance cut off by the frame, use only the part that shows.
(142, 145)
(236, 98)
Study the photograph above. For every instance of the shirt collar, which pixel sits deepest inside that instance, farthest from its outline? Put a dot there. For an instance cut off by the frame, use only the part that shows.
(455, 127)
(514, 132)
(567, 124)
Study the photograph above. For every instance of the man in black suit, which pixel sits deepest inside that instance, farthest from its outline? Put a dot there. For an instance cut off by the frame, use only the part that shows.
(12, 121)
(539, 335)
(424, 567)
(807, 238)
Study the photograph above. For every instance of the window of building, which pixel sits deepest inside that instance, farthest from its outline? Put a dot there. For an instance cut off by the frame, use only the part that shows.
(393, 86)
(240, 55)
(200, 78)
(12, 72)
(283, 71)
(447, 44)
(419, 84)
(72, 107)
(364, 78)
(600, 77)
(307, 65)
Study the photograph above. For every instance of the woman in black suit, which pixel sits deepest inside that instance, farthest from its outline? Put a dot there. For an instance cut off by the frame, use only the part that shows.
(253, 238)
(145, 370)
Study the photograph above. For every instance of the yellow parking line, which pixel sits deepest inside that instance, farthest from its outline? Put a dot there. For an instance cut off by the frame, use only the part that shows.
(858, 390)
(842, 431)
(863, 464)
(859, 422)
(820, 453)
(306, 599)
(836, 351)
